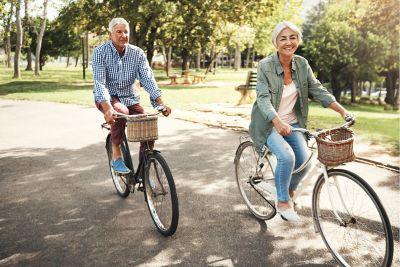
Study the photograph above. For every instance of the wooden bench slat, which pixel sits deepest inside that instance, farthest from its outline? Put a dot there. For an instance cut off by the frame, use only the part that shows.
(244, 89)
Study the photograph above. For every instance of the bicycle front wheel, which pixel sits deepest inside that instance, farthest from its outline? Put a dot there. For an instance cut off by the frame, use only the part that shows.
(161, 196)
(249, 173)
(360, 233)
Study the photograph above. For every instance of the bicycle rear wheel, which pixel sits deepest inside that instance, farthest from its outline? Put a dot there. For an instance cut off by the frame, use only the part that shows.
(249, 174)
(364, 237)
(161, 196)
(120, 181)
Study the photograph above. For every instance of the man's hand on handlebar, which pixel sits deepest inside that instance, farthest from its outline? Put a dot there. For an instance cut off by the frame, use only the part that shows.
(165, 110)
(108, 116)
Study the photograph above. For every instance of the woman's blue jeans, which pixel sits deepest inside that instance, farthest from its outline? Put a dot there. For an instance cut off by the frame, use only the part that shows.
(290, 151)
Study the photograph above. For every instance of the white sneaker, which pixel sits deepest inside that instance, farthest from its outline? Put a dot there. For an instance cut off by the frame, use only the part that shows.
(289, 215)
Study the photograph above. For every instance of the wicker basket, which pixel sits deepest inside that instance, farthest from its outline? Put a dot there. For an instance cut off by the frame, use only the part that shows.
(142, 129)
(335, 146)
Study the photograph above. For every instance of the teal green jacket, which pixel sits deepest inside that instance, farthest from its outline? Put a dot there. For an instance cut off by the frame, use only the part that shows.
(269, 93)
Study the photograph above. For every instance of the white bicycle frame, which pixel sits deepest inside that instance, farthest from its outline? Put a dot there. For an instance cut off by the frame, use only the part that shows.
(316, 169)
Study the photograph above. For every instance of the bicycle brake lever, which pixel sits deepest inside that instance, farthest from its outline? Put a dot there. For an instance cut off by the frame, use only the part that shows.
(308, 136)
(351, 119)
(160, 108)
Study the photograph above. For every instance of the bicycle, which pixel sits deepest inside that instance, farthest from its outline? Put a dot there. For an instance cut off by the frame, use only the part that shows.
(346, 211)
(152, 175)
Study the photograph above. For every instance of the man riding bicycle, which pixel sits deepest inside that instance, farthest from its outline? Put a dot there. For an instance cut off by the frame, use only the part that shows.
(116, 65)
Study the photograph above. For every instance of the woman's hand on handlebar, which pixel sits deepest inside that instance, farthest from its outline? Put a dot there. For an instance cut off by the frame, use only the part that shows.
(281, 127)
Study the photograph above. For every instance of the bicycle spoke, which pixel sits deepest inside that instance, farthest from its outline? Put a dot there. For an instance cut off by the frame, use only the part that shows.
(365, 233)
(246, 170)
(161, 195)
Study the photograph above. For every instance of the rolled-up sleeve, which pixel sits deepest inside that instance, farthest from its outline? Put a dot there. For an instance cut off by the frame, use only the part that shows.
(100, 91)
(147, 80)
(263, 94)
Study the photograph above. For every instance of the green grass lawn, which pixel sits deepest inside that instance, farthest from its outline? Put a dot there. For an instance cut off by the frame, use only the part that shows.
(65, 85)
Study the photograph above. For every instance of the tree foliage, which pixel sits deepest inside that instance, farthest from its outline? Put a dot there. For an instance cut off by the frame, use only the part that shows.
(347, 43)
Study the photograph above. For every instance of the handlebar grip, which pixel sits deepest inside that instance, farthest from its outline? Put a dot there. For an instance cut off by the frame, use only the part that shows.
(350, 119)
(160, 108)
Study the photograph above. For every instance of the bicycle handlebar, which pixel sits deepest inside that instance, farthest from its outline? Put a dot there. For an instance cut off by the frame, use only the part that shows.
(350, 121)
(119, 115)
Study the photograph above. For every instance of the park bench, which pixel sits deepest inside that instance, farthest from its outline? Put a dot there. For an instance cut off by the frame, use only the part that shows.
(198, 78)
(245, 90)
(173, 79)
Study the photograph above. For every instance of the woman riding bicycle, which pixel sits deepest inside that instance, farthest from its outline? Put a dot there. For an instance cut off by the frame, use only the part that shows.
(285, 81)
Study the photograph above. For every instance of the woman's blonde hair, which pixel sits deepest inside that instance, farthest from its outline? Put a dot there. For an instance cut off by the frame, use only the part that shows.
(283, 25)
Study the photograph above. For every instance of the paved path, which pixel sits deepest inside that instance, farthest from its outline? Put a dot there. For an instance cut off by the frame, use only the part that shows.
(58, 206)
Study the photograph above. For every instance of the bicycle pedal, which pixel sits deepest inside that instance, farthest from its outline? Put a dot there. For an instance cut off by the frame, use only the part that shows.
(141, 188)
(131, 187)
(283, 218)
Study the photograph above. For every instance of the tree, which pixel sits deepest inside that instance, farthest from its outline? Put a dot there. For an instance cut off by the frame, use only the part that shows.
(383, 20)
(243, 36)
(40, 37)
(18, 45)
(27, 40)
(145, 19)
(342, 47)
(264, 19)
(6, 15)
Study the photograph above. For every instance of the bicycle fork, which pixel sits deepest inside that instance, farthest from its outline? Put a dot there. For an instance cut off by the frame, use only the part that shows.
(330, 186)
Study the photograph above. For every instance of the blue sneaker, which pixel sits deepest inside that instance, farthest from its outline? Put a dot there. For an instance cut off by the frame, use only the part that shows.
(119, 166)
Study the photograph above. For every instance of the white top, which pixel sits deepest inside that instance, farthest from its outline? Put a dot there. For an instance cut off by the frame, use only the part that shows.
(286, 108)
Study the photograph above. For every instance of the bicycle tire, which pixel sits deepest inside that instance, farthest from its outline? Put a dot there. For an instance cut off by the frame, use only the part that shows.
(261, 205)
(160, 194)
(120, 181)
(365, 238)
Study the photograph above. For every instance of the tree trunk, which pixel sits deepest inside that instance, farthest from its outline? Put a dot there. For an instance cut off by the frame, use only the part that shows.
(41, 63)
(335, 87)
(134, 10)
(169, 57)
(353, 90)
(150, 44)
(215, 65)
(87, 50)
(67, 60)
(18, 45)
(8, 52)
(7, 34)
(76, 61)
(392, 94)
(29, 58)
(212, 56)
(238, 57)
(213, 60)
(38, 66)
(248, 58)
(198, 60)
(166, 67)
(27, 28)
(253, 57)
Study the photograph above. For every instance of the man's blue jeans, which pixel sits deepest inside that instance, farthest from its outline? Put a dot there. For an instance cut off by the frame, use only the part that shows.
(290, 151)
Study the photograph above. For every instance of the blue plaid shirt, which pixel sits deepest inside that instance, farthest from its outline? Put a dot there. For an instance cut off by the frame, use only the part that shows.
(114, 75)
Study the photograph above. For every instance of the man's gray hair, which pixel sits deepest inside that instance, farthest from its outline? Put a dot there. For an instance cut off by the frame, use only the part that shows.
(283, 25)
(115, 21)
